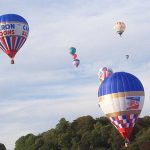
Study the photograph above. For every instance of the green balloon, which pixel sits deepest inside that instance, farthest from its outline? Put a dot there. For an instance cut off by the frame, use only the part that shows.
(72, 50)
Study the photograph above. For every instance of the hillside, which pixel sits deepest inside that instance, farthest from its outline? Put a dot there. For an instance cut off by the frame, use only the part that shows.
(87, 133)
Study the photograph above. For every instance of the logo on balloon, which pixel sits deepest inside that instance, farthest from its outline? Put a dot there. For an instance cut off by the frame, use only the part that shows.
(133, 102)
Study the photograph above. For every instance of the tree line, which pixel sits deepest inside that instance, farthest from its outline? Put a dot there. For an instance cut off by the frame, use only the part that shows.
(87, 133)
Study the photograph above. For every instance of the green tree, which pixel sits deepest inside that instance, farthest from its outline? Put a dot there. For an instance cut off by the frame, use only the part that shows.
(2, 146)
(39, 142)
(115, 140)
(86, 133)
(65, 140)
(63, 125)
(26, 142)
(85, 141)
(83, 124)
(20, 143)
(142, 137)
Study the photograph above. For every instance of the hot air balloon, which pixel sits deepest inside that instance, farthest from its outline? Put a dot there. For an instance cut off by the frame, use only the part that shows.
(14, 31)
(72, 50)
(76, 62)
(74, 56)
(119, 27)
(121, 97)
(103, 73)
(127, 56)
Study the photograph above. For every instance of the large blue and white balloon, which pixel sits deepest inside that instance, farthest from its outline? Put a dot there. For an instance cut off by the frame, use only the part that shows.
(121, 97)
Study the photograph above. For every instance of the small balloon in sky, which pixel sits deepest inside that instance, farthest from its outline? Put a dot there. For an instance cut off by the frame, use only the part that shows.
(127, 56)
(119, 27)
(74, 56)
(72, 50)
(103, 73)
(76, 62)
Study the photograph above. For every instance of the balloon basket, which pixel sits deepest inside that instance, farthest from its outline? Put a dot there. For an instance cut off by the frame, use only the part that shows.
(12, 61)
(126, 144)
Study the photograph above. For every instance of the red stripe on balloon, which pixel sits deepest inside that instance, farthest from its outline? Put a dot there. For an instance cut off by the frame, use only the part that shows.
(21, 43)
(13, 42)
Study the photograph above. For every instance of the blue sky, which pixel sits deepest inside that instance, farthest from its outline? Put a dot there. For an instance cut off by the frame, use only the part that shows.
(43, 86)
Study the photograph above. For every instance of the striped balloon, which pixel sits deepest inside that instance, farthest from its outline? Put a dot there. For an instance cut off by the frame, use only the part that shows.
(14, 31)
(76, 62)
(121, 97)
(103, 73)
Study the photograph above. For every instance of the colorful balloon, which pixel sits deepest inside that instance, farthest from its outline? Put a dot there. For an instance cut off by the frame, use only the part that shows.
(74, 56)
(14, 31)
(103, 73)
(121, 97)
(72, 50)
(119, 27)
(76, 62)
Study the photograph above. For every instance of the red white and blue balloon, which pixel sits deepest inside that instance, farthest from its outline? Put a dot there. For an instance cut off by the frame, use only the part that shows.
(121, 97)
(103, 73)
(14, 31)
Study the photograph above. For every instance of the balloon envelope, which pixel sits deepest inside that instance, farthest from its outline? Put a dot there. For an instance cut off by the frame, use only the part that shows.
(14, 31)
(72, 50)
(76, 62)
(121, 97)
(127, 56)
(103, 73)
(119, 27)
(74, 56)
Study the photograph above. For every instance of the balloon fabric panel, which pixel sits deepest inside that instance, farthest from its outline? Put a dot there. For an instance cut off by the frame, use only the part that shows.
(120, 82)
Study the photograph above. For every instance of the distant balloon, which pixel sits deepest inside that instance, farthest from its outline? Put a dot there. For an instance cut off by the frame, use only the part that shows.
(119, 27)
(103, 73)
(127, 56)
(72, 50)
(76, 62)
(14, 31)
(74, 56)
(121, 97)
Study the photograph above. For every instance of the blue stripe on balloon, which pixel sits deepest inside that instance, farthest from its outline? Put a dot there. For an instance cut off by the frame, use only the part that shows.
(123, 116)
(120, 82)
(12, 17)
(18, 40)
(2, 46)
(122, 125)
